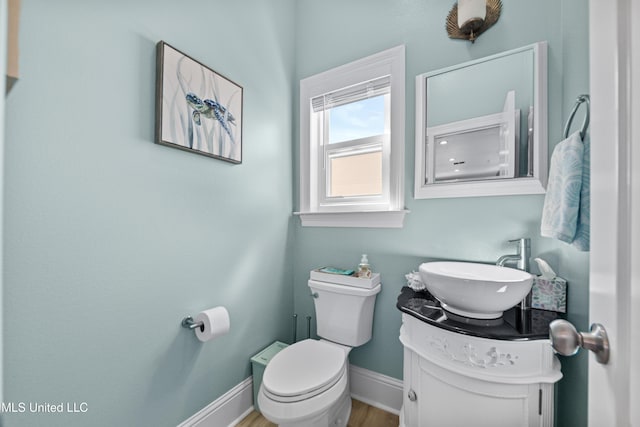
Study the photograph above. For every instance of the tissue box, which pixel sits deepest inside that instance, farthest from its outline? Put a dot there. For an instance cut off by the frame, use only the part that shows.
(549, 294)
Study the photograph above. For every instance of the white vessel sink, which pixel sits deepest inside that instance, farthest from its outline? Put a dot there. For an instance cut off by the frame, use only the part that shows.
(480, 291)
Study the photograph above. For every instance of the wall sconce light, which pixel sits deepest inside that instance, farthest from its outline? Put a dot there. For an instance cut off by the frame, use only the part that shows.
(470, 18)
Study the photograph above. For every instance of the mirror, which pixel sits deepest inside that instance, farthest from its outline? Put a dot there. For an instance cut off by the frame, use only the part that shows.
(481, 127)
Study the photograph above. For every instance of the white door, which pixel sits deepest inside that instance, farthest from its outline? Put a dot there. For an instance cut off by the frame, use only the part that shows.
(614, 389)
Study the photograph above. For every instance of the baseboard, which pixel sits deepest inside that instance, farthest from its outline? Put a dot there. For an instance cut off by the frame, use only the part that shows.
(376, 389)
(367, 386)
(227, 410)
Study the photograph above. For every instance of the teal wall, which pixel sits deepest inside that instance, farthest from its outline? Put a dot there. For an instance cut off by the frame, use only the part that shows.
(111, 239)
(467, 228)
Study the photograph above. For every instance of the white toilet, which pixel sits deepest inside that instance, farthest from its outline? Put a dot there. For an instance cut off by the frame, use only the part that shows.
(307, 383)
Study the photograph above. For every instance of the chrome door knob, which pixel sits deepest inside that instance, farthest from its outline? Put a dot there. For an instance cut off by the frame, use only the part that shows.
(566, 340)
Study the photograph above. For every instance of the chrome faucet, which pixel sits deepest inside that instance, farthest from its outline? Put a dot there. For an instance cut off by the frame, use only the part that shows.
(521, 261)
(521, 258)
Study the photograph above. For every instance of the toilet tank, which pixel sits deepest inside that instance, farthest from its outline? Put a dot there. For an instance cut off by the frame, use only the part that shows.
(344, 314)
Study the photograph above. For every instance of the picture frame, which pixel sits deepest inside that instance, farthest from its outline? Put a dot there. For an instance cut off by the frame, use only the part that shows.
(197, 109)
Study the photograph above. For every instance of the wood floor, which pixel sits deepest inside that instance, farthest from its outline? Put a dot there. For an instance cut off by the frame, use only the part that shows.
(362, 415)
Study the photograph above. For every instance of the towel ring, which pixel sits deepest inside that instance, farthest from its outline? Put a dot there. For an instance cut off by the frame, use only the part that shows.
(585, 124)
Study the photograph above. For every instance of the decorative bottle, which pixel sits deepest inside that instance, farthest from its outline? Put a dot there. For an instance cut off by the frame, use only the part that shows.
(364, 269)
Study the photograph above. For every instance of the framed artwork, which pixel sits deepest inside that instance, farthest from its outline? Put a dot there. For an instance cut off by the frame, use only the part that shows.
(197, 109)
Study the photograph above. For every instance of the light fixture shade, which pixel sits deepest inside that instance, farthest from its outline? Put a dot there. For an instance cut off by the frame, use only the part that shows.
(471, 9)
(462, 24)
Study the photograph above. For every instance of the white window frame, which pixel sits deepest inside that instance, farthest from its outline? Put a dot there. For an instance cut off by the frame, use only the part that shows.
(379, 211)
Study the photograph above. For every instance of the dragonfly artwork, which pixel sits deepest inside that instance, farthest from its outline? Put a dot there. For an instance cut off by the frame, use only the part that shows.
(198, 109)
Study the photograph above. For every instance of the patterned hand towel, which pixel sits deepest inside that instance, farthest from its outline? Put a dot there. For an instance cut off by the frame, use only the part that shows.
(583, 230)
(562, 201)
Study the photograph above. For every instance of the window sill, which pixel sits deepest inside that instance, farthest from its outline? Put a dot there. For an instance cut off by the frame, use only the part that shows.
(372, 219)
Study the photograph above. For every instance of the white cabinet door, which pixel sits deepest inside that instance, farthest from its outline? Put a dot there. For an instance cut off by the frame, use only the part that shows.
(448, 399)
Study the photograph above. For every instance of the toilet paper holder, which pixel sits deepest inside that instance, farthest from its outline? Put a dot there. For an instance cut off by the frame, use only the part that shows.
(208, 324)
(189, 323)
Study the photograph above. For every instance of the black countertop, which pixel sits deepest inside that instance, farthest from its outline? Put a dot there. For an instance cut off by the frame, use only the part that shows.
(515, 324)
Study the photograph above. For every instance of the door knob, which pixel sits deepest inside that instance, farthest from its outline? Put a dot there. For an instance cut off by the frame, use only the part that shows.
(566, 340)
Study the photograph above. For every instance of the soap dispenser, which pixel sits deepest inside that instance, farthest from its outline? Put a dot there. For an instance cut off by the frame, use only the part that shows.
(364, 269)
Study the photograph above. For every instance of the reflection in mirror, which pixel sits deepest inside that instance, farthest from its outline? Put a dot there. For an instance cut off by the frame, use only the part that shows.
(475, 149)
(489, 116)
(469, 156)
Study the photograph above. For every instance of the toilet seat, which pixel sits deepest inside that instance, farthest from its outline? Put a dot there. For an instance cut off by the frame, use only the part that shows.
(304, 370)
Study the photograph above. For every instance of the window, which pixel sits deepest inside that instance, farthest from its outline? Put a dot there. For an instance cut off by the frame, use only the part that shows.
(352, 144)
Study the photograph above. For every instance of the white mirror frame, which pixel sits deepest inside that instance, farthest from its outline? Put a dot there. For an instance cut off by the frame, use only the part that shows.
(535, 184)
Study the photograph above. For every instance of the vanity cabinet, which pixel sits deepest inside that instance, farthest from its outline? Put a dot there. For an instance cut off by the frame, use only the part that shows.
(460, 371)
(455, 379)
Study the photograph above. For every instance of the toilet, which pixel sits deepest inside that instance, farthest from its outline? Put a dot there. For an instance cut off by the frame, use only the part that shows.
(307, 383)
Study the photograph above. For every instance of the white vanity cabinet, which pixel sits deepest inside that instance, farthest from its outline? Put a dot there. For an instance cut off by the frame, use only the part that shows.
(454, 379)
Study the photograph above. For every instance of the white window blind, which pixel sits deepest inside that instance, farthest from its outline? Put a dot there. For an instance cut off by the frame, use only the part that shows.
(364, 90)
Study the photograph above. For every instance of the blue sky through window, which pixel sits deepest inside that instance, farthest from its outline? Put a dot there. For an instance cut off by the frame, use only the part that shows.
(356, 120)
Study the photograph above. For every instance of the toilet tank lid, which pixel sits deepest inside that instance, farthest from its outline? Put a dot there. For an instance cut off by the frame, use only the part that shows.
(344, 289)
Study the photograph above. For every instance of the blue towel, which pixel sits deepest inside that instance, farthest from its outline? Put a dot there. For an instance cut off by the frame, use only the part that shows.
(565, 215)
(582, 237)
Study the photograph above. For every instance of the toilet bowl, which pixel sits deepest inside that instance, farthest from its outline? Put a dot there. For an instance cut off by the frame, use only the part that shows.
(307, 383)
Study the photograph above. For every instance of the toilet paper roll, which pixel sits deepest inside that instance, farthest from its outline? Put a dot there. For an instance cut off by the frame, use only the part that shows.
(215, 323)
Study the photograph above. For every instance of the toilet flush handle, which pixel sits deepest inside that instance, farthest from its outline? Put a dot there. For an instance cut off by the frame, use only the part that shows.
(315, 295)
